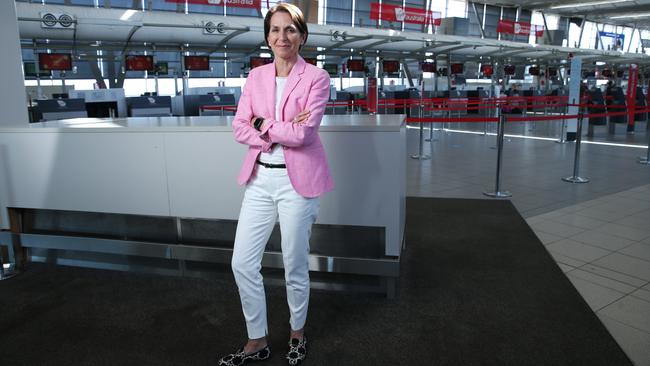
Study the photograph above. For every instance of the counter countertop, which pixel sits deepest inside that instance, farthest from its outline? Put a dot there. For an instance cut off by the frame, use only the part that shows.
(351, 123)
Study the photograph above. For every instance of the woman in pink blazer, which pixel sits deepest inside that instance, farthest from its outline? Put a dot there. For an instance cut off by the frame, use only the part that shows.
(285, 171)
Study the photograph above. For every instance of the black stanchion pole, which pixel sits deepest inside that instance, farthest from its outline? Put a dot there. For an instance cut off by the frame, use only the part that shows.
(575, 178)
(497, 186)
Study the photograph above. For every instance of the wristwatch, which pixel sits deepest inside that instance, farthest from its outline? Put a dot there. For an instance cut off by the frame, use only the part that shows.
(258, 123)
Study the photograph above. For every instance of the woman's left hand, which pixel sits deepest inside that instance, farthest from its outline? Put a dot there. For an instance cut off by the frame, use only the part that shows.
(302, 117)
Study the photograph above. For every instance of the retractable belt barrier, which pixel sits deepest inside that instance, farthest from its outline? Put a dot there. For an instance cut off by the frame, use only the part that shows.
(500, 102)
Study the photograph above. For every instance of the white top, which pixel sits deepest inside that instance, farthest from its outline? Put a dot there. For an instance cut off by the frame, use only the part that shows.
(276, 156)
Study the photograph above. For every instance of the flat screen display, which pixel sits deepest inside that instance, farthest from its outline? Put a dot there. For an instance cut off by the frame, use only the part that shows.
(509, 69)
(356, 65)
(332, 69)
(139, 63)
(197, 63)
(428, 67)
(589, 74)
(456, 68)
(310, 60)
(260, 61)
(30, 70)
(533, 70)
(620, 73)
(391, 66)
(162, 68)
(487, 70)
(606, 73)
(551, 72)
(54, 61)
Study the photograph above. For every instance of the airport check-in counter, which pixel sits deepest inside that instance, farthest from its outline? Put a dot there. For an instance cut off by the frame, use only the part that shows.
(154, 192)
(54, 109)
(102, 103)
(149, 106)
(192, 105)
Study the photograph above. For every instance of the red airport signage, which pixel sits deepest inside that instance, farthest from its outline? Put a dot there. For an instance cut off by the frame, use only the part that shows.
(54, 61)
(519, 28)
(254, 4)
(396, 13)
(139, 63)
(197, 63)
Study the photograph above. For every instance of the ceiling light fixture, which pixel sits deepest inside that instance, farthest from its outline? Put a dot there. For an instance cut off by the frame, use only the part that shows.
(637, 15)
(591, 3)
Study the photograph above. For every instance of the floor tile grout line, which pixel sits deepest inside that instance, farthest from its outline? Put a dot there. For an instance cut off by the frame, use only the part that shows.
(607, 287)
(621, 323)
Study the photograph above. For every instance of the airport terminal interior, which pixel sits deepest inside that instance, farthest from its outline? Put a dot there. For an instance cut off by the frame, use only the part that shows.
(490, 159)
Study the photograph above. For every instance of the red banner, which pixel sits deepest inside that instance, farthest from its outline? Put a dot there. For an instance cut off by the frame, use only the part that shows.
(632, 81)
(519, 28)
(255, 4)
(395, 13)
(372, 95)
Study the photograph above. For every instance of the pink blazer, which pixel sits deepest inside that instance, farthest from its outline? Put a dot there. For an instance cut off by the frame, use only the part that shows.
(307, 87)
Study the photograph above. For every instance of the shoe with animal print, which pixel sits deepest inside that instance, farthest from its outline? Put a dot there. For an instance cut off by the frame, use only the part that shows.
(297, 351)
(240, 358)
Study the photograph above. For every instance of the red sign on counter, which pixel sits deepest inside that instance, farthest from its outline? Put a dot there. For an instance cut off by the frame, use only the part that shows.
(519, 28)
(254, 4)
(395, 13)
(55, 61)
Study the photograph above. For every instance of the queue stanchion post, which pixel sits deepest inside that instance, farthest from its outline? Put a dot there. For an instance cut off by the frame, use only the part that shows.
(498, 193)
(575, 178)
(562, 139)
(420, 155)
(646, 160)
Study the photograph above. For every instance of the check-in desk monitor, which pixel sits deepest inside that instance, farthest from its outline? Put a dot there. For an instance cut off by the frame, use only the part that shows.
(149, 106)
(55, 109)
(205, 102)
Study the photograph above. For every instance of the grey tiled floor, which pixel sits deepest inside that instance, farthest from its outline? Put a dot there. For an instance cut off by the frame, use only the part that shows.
(598, 232)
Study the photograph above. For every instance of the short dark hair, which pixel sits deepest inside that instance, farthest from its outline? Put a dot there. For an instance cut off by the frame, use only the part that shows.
(296, 16)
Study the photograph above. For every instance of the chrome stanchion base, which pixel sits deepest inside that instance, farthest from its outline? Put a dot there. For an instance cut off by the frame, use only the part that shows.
(420, 157)
(574, 179)
(561, 141)
(644, 161)
(7, 273)
(498, 194)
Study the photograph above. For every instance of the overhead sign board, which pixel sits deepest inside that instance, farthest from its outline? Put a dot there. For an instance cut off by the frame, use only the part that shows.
(396, 13)
(519, 28)
(611, 41)
(645, 43)
(255, 4)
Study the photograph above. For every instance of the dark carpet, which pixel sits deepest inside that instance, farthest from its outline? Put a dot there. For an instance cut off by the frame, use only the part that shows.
(477, 288)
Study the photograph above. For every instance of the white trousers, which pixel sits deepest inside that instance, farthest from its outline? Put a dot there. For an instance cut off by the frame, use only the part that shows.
(269, 196)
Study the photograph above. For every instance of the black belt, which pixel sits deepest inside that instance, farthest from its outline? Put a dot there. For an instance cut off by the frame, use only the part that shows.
(271, 166)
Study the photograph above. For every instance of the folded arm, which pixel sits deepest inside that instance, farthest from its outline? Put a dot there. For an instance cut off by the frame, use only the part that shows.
(295, 134)
(242, 128)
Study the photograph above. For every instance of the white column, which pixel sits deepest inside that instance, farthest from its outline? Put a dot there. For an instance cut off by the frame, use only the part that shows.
(13, 97)
(574, 96)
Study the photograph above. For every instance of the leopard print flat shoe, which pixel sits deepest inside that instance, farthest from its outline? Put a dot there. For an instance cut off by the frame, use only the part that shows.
(297, 351)
(240, 358)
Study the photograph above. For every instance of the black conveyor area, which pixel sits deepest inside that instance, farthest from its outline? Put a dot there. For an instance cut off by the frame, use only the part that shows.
(477, 288)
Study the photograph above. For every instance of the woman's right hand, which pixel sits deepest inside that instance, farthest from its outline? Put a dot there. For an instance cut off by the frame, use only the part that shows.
(302, 117)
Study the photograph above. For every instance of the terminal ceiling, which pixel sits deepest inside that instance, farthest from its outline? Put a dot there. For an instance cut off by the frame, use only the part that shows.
(630, 13)
(242, 37)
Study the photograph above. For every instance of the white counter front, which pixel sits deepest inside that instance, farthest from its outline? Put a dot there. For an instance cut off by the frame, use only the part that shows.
(187, 167)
